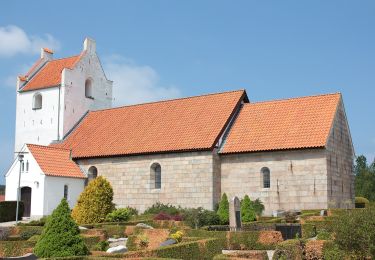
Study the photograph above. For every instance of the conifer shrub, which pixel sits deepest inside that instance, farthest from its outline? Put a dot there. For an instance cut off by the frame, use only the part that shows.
(60, 236)
(247, 210)
(223, 210)
(94, 203)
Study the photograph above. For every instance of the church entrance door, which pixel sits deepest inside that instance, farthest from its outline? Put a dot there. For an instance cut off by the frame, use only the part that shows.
(26, 199)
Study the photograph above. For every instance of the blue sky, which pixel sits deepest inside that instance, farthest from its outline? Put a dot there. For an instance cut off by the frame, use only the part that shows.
(164, 49)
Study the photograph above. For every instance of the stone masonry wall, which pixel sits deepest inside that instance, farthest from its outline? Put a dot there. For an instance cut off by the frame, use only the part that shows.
(298, 178)
(340, 156)
(187, 179)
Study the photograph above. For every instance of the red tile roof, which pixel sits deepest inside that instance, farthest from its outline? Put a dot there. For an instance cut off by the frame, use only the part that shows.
(55, 161)
(50, 74)
(283, 124)
(186, 124)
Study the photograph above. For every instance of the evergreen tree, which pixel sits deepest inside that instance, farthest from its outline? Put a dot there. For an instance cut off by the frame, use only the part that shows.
(94, 203)
(247, 210)
(60, 236)
(223, 210)
(364, 179)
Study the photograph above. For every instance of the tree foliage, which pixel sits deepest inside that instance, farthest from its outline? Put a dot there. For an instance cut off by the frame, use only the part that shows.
(223, 210)
(94, 203)
(247, 210)
(365, 178)
(355, 232)
(60, 236)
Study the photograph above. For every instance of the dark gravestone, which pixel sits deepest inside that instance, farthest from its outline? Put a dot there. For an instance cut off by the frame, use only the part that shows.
(289, 231)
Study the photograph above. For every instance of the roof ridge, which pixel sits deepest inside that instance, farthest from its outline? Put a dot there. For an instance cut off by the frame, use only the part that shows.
(292, 98)
(73, 56)
(48, 147)
(168, 100)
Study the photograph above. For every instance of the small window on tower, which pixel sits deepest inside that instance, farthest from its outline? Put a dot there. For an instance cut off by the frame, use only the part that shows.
(88, 89)
(37, 101)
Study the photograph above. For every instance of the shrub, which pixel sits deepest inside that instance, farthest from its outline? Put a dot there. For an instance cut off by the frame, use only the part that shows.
(165, 216)
(25, 235)
(290, 249)
(119, 215)
(223, 210)
(324, 235)
(332, 251)
(8, 210)
(102, 246)
(143, 241)
(94, 203)
(133, 211)
(355, 232)
(60, 236)
(258, 207)
(200, 217)
(177, 236)
(247, 210)
(160, 207)
(361, 202)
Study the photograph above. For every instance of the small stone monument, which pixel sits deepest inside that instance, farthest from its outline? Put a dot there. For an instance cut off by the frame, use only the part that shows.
(235, 214)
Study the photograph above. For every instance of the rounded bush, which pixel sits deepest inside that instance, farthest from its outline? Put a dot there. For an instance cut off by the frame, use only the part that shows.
(60, 237)
(119, 215)
(361, 202)
(94, 203)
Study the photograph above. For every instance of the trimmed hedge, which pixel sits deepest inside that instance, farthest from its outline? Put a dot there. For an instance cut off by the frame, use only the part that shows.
(15, 248)
(25, 232)
(312, 228)
(201, 249)
(289, 249)
(8, 210)
(247, 240)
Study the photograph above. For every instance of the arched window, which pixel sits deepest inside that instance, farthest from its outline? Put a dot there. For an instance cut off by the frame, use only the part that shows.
(37, 101)
(93, 173)
(156, 176)
(266, 177)
(66, 192)
(88, 88)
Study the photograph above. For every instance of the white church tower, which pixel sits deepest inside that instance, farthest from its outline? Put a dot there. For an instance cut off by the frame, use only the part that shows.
(56, 93)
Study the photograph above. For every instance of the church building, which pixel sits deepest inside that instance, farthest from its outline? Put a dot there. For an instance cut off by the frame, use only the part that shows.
(292, 154)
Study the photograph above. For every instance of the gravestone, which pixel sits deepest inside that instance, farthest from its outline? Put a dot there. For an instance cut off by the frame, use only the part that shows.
(235, 214)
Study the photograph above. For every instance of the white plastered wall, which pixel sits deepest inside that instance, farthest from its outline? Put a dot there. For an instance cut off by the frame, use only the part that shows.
(33, 178)
(54, 191)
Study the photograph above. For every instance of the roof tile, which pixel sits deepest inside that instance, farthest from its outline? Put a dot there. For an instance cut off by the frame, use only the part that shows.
(185, 124)
(283, 124)
(55, 161)
(50, 74)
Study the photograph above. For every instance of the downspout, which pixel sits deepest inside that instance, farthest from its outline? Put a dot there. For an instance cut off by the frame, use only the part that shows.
(58, 116)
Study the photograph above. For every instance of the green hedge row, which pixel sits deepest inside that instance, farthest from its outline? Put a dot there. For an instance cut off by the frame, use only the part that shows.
(312, 228)
(8, 210)
(247, 240)
(289, 249)
(15, 248)
(201, 249)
